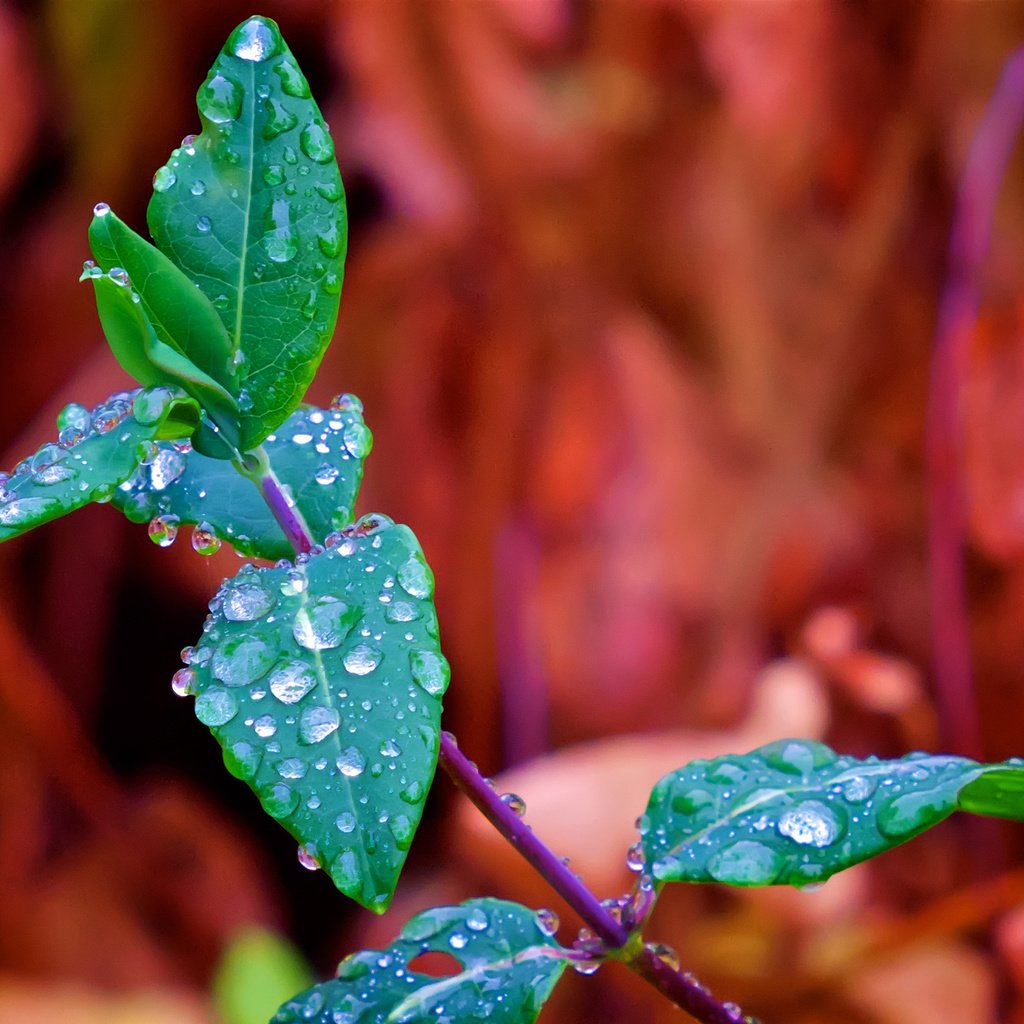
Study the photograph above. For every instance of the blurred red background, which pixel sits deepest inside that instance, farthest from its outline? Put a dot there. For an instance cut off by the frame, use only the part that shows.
(640, 301)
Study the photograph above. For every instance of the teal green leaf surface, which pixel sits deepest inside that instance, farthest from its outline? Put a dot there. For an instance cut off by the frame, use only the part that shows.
(317, 454)
(508, 967)
(137, 348)
(323, 681)
(794, 812)
(253, 211)
(181, 315)
(95, 451)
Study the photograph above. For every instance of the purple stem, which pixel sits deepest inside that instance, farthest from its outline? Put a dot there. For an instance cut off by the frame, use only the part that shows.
(958, 310)
(682, 989)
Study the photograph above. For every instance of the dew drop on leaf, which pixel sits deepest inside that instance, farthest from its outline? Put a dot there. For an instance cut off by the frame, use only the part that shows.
(547, 921)
(317, 723)
(415, 578)
(247, 602)
(182, 682)
(164, 179)
(216, 706)
(307, 857)
(220, 99)
(265, 726)
(324, 625)
(163, 530)
(204, 540)
(316, 142)
(430, 671)
(290, 683)
(255, 40)
(743, 863)
(362, 660)
(166, 468)
(351, 762)
(242, 661)
(810, 823)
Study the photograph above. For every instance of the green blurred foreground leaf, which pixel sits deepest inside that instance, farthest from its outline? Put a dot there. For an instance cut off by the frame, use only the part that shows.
(508, 965)
(317, 454)
(794, 812)
(252, 210)
(96, 451)
(322, 681)
(257, 972)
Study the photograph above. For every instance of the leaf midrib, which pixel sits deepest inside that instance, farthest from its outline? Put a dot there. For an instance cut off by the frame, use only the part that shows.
(243, 256)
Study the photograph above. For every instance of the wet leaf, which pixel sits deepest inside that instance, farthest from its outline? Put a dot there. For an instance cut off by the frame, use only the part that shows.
(508, 965)
(323, 682)
(794, 812)
(96, 450)
(252, 209)
(316, 453)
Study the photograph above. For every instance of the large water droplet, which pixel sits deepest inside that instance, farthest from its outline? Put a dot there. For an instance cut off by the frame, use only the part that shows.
(247, 601)
(293, 83)
(280, 241)
(291, 768)
(911, 812)
(810, 823)
(166, 468)
(255, 40)
(362, 660)
(415, 577)
(243, 760)
(279, 800)
(278, 118)
(329, 239)
(219, 99)
(401, 611)
(351, 762)
(316, 142)
(265, 726)
(290, 683)
(742, 863)
(198, 187)
(858, 789)
(317, 723)
(324, 625)
(357, 439)
(163, 179)
(547, 921)
(216, 706)
(515, 803)
(74, 417)
(204, 540)
(430, 671)
(345, 822)
(307, 857)
(242, 661)
(163, 530)
(183, 681)
(403, 830)
(345, 873)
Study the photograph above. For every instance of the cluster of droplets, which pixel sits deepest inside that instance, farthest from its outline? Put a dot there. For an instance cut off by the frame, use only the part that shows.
(792, 811)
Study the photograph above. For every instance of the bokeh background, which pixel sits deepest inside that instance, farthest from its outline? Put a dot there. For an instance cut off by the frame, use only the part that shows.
(640, 300)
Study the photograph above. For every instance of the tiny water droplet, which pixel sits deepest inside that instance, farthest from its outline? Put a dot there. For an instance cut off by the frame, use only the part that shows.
(203, 224)
(100, 210)
(547, 921)
(198, 187)
(635, 859)
(515, 803)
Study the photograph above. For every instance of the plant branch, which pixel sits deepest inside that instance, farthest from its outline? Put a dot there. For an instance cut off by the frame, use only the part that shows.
(682, 989)
(958, 310)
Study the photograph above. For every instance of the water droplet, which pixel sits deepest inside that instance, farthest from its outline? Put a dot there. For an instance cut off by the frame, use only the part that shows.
(908, 813)
(401, 611)
(547, 921)
(389, 748)
(204, 540)
(273, 174)
(221, 302)
(635, 859)
(182, 682)
(307, 857)
(265, 726)
(477, 921)
(403, 830)
(858, 789)
(164, 179)
(742, 863)
(324, 625)
(188, 145)
(279, 800)
(346, 875)
(515, 803)
(586, 967)
(219, 99)
(326, 474)
(290, 683)
(242, 760)
(346, 821)
(100, 210)
(247, 602)
(216, 706)
(317, 723)
(457, 940)
(415, 577)
(351, 762)
(431, 671)
(330, 240)
(242, 661)
(74, 417)
(279, 240)
(163, 530)
(413, 793)
(278, 118)
(255, 40)
(332, 283)
(357, 439)
(293, 83)
(666, 954)
(810, 823)
(119, 276)
(291, 768)
(294, 583)
(166, 468)
(331, 189)
(362, 660)
(198, 187)
(316, 142)
(203, 224)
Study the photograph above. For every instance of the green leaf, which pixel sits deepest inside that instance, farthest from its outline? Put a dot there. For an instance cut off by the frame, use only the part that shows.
(257, 972)
(794, 812)
(253, 210)
(182, 316)
(95, 452)
(136, 346)
(508, 967)
(317, 454)
(322, 682)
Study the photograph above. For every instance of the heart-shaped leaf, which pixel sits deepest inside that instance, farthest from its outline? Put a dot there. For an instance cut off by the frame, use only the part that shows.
(181, 315)
(508, 966)
(323, 682)
(252, 209)
(794, 812)
(317, 454)
(96, 450)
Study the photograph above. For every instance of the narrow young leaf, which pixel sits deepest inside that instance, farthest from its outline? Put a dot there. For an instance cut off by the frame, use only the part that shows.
(182, 316)
(138, 349)
(322, 681)
(508, 967)
(96, 450)
(794, 812)
(252, 209)
(316, 453)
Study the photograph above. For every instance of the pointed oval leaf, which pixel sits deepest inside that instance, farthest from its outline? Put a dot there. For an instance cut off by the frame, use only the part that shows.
(182, 316)
(252, 209)
(508, 962)
(322, 681)
(96, 450)
(135, 345)
(794, 812)
(317, 454)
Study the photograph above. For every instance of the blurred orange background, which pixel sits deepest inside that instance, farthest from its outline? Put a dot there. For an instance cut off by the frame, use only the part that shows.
(640, 300)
